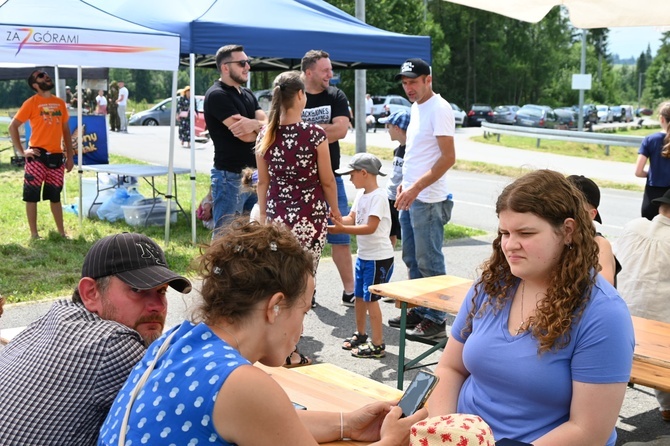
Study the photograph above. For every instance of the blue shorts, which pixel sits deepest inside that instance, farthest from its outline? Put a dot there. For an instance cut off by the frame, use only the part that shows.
(343, 204)
(371, 272)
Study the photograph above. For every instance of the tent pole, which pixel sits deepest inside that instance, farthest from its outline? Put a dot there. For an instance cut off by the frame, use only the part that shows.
(191, 65)
(57, 79)
(80, 144)
(170, 178)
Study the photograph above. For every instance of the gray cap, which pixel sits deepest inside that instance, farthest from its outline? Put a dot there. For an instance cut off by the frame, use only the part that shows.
(362, 161)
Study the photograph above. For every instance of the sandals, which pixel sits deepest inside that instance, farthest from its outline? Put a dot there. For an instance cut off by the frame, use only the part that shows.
(304, 360)
(370, 350)
(354, 341)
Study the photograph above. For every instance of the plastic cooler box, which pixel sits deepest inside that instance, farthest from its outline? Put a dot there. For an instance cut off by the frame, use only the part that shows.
(149, 211)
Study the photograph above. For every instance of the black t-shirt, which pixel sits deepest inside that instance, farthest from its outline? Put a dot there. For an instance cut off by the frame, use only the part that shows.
(221, 102)
(321, 109)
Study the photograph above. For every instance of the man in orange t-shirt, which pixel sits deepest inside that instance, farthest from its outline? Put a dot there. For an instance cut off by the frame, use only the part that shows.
(45, 160)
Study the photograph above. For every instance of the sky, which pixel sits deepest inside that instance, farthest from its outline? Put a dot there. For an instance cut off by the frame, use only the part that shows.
(630, 42)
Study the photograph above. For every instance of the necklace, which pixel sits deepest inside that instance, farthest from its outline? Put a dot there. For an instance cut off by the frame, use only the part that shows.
(234, 337)
(523, 322)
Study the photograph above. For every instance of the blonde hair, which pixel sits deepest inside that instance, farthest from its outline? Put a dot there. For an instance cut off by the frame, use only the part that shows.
(285, 90)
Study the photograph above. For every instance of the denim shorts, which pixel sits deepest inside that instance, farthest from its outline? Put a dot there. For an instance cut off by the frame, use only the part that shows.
(343, 204)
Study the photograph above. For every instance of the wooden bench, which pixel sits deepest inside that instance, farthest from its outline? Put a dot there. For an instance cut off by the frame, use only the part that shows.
(651, 359)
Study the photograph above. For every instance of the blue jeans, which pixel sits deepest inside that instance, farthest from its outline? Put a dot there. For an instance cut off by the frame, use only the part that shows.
(422, 228)
(227, 199)
(343, 204)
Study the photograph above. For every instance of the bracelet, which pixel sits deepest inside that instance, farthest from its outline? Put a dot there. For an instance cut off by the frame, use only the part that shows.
(341, 426)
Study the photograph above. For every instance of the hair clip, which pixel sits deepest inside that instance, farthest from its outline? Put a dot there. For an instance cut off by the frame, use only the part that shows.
(282, 86)
(217, 270)
(238, 248)
(273, 246)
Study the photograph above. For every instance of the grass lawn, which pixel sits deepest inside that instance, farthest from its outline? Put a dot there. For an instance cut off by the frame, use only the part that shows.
(51, 267)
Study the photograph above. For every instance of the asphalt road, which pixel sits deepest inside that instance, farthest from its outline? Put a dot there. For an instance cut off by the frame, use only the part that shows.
(475, 195)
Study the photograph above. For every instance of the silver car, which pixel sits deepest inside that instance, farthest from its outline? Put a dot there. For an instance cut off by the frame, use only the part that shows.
(505, 114)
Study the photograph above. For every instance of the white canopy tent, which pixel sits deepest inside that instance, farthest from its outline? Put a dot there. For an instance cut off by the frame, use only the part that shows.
(583, 13)
(71, 32)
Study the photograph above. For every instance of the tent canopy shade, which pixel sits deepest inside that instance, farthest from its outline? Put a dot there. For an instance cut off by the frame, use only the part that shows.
(583, 13)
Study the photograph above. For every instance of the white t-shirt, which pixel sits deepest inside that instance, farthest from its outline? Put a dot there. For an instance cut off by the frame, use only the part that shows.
(428, 120)
(101, 100)
(123, 91)
(375, 246)
(369, 104)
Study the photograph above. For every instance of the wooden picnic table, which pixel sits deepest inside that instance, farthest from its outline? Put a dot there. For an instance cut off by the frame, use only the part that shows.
(651, 358)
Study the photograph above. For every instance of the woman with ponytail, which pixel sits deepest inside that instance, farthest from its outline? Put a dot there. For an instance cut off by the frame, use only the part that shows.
(296, 185)
(656, 149)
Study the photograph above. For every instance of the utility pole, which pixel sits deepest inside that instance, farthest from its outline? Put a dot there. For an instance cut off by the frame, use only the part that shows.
(360, 81)
(582, 70)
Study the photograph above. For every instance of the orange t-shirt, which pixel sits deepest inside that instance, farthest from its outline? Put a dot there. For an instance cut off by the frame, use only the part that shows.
(46, 116)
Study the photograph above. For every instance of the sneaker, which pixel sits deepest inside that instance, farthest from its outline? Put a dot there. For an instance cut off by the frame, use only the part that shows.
(348, 299)
(429, 330)
(370, 350)
(413, 319)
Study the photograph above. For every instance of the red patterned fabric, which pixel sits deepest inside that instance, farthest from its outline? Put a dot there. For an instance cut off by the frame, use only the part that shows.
(454, 429)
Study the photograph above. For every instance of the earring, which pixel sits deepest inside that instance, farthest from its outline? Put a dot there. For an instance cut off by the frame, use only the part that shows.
(276, 310)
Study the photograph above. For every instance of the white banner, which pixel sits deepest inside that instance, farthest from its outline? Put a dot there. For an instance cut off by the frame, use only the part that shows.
(69, 46)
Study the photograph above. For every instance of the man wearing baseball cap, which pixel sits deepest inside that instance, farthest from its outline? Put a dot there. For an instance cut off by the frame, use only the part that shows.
(423, 199)
(61, 374)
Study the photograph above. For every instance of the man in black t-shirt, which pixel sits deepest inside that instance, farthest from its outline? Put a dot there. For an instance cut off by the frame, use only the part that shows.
(234, 118)
(328, 107)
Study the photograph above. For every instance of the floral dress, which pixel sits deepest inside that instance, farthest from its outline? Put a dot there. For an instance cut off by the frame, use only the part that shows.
(295, 196)
(183, 104)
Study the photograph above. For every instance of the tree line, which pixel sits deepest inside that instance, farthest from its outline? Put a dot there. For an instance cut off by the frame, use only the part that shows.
(478, 57)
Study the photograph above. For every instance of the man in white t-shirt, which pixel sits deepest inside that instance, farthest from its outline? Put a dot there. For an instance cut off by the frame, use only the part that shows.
(423, 198)
(122, 101)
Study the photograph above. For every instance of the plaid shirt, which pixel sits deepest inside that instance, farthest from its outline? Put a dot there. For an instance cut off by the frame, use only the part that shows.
(59, 377)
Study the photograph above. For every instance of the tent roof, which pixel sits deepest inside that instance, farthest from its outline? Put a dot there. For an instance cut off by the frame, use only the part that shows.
(277, 33)
(71, 32)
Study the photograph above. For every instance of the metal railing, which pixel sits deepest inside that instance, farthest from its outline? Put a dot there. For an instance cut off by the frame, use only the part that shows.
(605, 139)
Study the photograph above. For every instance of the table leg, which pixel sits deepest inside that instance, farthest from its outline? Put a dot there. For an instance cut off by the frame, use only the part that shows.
(401, 346)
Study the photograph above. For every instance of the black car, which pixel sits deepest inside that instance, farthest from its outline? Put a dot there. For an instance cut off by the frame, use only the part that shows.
(566, 119)
(479, 113)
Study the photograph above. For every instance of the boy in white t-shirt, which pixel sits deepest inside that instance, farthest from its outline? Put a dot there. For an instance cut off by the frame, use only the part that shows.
(370, 221)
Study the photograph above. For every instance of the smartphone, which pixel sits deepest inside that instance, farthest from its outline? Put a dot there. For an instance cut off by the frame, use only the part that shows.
(417, 393)
(299, 406)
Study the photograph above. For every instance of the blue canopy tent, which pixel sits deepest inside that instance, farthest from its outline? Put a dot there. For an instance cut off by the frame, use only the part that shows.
(275, 33)
(71, 32)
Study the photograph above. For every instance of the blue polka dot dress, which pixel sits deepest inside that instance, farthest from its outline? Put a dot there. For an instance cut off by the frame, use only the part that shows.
(176, 404)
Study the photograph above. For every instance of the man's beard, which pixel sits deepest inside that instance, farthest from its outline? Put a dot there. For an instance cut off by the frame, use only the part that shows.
(238, 78)
(46, 86)
(109, 312)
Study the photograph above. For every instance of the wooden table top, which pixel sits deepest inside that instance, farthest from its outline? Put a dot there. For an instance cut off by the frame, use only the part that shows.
(446, 293)
(330, 388)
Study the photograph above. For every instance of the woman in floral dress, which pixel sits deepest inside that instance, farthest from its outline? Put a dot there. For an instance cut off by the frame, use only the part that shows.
(183, 104)
(296, 185)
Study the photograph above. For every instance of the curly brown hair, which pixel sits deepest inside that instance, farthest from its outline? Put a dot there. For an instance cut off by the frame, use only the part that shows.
(247, 264)
(551, 197)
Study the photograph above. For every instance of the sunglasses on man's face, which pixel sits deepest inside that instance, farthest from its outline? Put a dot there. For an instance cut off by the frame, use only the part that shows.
(40, 75)
(241, 63)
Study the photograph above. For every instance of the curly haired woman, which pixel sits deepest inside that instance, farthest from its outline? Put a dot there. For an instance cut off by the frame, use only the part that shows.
(542, 347)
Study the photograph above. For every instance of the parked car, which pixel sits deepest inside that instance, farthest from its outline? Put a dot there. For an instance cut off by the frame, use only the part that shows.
(589, 113)
(505, 114)
(643, 111)
(479, 113)
(459, 114)
(566, 118)
(604, 114)
(392, 102)
(159, 114)
(617, 113)
(531, 115)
